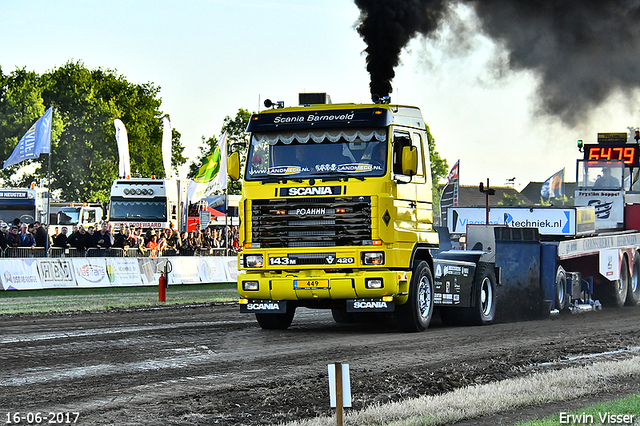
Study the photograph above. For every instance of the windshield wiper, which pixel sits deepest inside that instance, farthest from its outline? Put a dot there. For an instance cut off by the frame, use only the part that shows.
(342, 176)
(279, 180)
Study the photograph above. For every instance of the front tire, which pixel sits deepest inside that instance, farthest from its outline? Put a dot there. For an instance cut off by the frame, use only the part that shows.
(276, 321)
(415, 314)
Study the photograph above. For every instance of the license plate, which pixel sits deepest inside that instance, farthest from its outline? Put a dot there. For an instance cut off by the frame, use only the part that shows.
(310, 284)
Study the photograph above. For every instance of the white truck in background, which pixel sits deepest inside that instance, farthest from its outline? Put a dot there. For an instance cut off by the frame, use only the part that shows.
(149, 203)
(75, 214)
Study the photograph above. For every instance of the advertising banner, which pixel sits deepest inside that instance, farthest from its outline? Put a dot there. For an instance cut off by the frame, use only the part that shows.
(38, 273)
(19, 274)
(609, 207)
(184, 270)
(549, 221)
(91, 272)
(122, 271)
(57, 273)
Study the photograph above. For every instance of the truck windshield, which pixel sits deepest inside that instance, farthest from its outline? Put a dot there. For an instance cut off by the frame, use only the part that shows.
(305, 154)
(68, 216)
(9, 213)
(601, 174)
(123, 210)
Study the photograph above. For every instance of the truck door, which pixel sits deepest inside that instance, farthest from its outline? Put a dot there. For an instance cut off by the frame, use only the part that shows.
(406, 191)
(422, 182)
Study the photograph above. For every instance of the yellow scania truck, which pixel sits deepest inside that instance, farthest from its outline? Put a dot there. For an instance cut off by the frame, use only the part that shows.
(336, 213)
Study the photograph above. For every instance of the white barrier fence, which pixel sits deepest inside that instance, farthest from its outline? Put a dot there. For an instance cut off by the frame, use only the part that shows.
(86, 272)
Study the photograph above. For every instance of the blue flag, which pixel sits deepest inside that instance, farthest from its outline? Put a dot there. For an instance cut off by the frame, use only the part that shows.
(554, 186)
(36, 141)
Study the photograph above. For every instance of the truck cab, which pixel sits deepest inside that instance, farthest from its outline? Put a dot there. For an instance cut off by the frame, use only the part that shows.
(336, 213)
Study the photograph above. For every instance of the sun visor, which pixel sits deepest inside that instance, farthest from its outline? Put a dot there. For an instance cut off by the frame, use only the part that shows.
(319, 136)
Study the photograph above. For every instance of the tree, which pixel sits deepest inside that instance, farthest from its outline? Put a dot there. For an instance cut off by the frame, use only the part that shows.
(237, 141)
(21, 104)
(84, 157)
(511, 200)
(439, 169)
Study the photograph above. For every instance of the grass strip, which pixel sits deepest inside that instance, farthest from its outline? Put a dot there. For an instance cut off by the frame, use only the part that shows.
(96, 299)
(621, 411)
(487, 399)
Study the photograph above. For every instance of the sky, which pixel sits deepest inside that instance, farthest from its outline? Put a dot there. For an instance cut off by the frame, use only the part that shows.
(213, 57)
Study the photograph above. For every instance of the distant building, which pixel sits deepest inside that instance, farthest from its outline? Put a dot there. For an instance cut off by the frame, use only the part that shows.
(532, 192)
(470, 196)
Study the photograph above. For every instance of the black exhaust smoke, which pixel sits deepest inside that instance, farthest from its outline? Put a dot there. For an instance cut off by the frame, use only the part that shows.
(582, 51)
(386, 27)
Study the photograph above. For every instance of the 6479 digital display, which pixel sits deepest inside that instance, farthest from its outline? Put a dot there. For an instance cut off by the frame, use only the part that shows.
(627, 153)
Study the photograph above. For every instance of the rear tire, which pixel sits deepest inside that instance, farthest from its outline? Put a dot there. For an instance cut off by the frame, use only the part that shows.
(615, 292)
(276, 321)
(415, 314)
(562, 301)
(633, 287)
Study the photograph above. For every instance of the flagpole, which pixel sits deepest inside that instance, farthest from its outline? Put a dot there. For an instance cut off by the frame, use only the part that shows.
(46, 245)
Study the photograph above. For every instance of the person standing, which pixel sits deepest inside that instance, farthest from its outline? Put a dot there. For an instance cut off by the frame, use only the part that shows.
(61, 240)
(102, 238)
(26, 237)
(40, 234)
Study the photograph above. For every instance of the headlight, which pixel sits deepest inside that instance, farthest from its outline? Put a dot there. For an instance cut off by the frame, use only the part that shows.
(253, 261)
(374, 283)
(250, 285)
(375, 258)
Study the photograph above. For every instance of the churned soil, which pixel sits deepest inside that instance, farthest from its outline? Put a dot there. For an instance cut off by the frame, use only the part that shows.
(209, 364)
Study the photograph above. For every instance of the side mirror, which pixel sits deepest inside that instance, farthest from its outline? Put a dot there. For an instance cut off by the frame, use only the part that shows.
(233, 166)
(409, 160)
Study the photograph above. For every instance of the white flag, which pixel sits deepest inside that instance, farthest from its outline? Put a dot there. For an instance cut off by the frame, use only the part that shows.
(124, 165)
(212, 175)
(166, 146)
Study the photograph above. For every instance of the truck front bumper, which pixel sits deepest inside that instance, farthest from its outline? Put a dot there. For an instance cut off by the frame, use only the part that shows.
(319, 285)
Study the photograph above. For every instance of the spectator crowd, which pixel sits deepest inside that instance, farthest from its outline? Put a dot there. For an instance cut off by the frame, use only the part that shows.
(102, 236)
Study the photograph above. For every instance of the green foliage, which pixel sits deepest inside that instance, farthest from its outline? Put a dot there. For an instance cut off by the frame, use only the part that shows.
(84, 154)
(237, 141)
(511, 200)
(439, 170)
(439, 166)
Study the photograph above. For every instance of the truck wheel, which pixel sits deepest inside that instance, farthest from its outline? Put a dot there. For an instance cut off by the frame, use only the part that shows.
(615, 292)
(341, 316)
(633, 287)
(276, 321)
(562, 300)
(415, 314)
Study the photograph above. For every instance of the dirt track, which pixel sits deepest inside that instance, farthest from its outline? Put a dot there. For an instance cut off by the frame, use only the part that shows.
(211, 365)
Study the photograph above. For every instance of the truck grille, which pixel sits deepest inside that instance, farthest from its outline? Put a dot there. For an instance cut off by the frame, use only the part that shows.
(311, 222)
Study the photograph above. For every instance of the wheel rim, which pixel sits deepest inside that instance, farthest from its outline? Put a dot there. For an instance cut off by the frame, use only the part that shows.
(634, 278)
(623, 281)
(560, 291)
(486, 297)
(424, 297)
